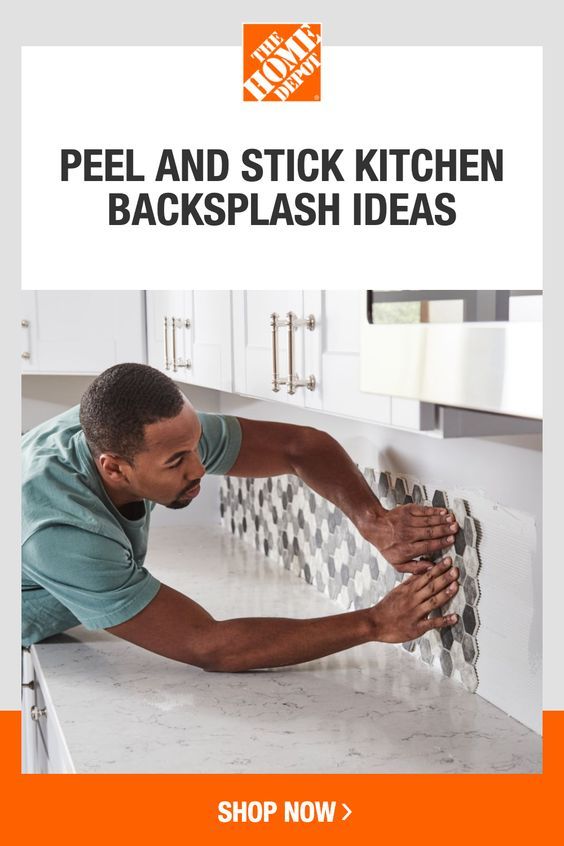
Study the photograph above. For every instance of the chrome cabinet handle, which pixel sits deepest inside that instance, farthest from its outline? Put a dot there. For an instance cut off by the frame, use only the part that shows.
(179, 323)
(173, 324)
(166, 358)
(294, 380)
(37, 713)
(26, 355)
(276, 323)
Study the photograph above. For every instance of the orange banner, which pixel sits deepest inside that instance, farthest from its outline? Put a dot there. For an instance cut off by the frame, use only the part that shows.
(107, 809)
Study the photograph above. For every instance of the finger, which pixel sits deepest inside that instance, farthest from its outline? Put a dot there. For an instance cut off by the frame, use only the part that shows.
(415, 549)
(432, 520)
(437, 623)
(436, 570)
(438, 584)
(422, 561)
(427, 511)
(414, 567)
(439, 599)
(423, 532)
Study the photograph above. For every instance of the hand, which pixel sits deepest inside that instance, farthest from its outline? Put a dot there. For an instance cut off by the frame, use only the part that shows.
(403, 613)
(408, 531)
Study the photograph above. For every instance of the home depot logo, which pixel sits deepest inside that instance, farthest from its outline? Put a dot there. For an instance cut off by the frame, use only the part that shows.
(281, 62)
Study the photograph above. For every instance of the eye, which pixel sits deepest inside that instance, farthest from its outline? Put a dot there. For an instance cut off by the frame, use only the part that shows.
(177, 464)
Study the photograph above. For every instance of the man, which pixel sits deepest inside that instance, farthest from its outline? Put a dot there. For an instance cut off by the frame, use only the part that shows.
(92, 476)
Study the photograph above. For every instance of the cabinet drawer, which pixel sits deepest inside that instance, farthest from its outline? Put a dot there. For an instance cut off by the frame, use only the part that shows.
(49, 733)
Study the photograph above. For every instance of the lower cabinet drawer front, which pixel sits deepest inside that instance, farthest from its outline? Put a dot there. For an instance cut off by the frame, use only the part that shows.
(43, 721)
(49, 731)
(41, 762)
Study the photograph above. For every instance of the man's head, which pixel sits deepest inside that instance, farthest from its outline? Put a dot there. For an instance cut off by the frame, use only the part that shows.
(143, 434)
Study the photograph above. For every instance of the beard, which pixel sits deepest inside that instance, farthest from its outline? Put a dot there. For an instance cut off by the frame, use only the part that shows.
(179, 502)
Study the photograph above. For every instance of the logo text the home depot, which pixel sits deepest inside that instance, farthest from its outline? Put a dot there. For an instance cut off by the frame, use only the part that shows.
(281, 62)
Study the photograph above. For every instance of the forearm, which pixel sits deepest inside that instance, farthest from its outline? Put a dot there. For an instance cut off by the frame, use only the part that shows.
(325, 467)
(176, 626)
(401, 534)
(259, 642)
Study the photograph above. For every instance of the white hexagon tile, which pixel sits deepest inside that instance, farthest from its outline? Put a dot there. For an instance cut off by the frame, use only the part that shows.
(311, 537)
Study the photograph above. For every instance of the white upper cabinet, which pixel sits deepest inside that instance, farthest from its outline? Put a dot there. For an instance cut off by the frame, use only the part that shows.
(73, 332)
(167, 328)
(322, 348)
(333, 354)
(189, 336)
(266, 347)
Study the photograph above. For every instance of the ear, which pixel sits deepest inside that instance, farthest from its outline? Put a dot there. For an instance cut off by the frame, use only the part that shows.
(114, 468)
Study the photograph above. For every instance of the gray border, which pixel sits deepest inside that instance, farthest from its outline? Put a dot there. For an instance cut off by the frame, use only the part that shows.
(120, 22)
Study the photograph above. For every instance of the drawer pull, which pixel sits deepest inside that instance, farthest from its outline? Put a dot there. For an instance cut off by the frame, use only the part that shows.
(294, 380)
(166, 356)
(37, 713)
(25, 324)
(276, 323)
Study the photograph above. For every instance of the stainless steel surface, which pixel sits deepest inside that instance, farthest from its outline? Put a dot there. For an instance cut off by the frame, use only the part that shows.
(25, 324)
(495, 367)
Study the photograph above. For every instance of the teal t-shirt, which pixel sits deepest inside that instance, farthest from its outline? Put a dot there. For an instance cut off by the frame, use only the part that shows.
(82, 560)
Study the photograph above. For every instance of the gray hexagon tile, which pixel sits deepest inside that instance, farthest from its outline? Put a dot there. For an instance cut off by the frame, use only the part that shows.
(311, 537)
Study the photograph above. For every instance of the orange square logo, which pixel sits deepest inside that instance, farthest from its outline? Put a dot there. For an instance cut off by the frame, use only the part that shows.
(281, 62)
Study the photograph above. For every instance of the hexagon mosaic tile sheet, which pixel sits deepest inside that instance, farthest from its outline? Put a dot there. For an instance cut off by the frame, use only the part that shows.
(310, 536)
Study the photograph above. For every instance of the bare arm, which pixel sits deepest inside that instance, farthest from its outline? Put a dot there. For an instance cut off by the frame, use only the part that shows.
(401, 534)
(175, 626)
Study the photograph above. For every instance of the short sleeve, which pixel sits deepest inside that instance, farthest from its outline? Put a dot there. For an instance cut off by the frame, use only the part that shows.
(94, 577)
(219, 443)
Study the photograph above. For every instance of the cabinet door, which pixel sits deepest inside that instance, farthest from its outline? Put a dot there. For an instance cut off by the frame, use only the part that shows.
(209, 343)
(253, 343)
(81, 331)
(333, 356)
(332, 353)
(49, 737)
(198, 345)
(167, 351)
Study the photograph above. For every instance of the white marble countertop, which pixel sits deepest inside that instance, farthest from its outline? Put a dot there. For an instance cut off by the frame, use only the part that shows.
(372, 709)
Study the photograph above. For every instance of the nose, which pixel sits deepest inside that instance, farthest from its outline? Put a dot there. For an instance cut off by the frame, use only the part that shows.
(195, 468)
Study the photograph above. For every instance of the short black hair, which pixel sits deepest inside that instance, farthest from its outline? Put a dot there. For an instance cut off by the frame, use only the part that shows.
(120, 402)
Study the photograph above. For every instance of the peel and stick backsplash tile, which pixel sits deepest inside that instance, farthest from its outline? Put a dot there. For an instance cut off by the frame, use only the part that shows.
(311, 537)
